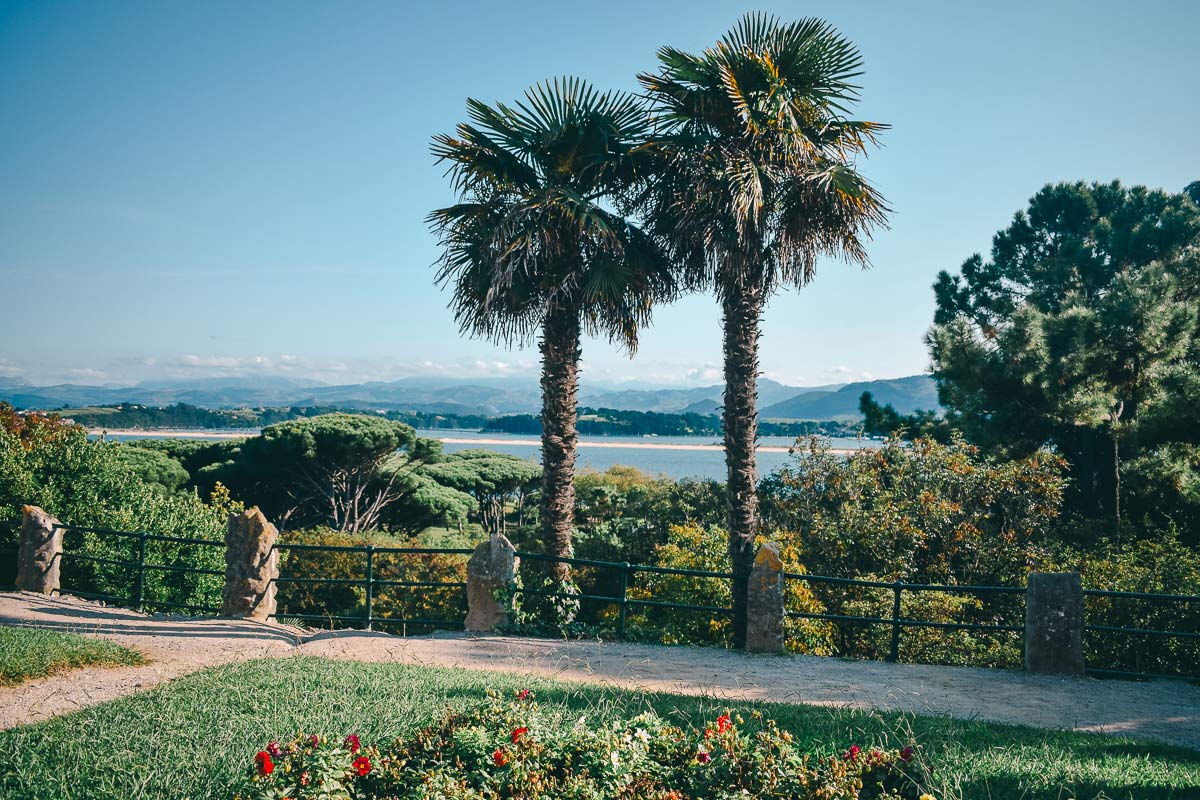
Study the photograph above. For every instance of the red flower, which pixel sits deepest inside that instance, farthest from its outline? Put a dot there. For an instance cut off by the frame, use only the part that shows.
(362, 765)
(352, 743)
(263, 763)
(523, 694)
(275, 750)
(723, 723)
(906, 754)
(314, 740)
(703, 757)
(499, 757)
(852, 753)
(518, 733)
(304, 779)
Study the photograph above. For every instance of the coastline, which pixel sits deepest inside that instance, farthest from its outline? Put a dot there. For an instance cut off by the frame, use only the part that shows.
(513, 442)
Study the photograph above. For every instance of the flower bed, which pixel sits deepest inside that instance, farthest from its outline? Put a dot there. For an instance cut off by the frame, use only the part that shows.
(510, 749)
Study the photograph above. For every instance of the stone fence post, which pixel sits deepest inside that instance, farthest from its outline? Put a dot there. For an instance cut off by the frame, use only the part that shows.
(251, 567)
(491, 569)
(764, 602)
(1054, 623)
(38, 555)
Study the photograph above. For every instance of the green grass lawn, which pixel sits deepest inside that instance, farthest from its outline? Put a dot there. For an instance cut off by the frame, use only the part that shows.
(192, 737)
(27, 653)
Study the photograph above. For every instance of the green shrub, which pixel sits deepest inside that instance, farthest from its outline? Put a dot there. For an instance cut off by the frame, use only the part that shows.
(512, 749)
(336, 599)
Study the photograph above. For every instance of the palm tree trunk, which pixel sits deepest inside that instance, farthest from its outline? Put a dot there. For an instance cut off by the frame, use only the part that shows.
(560, 376)
(741, 308)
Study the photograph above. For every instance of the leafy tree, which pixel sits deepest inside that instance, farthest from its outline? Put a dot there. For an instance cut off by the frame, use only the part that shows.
(331, 469)
(1081, 333)
(154, 467)
(757, 180)
(534, 248)
(491, 478)
(885, 420)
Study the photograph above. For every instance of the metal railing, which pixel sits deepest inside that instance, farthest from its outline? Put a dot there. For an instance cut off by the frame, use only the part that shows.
(371, 584)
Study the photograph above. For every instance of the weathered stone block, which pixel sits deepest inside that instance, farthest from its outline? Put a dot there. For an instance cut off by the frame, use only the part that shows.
(490, 571)
(251, 566)
(38, 555)
(765, 607)
(1054, 623)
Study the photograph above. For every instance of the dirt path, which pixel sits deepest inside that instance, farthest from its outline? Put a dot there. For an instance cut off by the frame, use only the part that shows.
(1162, 710)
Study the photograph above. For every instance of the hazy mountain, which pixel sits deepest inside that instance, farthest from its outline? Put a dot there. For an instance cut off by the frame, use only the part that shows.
(905, 394)
(463, 396)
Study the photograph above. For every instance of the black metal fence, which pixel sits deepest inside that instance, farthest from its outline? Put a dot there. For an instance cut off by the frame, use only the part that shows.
(1106, 645)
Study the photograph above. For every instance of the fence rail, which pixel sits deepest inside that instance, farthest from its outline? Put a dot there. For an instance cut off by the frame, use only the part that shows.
(138, 567)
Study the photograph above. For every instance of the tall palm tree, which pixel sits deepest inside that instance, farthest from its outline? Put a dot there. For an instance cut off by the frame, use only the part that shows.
(756, 178)
(535, 247)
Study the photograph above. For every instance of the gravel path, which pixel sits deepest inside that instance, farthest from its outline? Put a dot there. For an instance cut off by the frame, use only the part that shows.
(1162, 710)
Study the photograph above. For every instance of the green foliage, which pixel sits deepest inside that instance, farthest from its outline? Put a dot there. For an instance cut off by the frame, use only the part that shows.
(27, 653)
(705, 549)
(327, 470)
(884, 420)
(84, 483)
(1158, 565)
(154, 467)
(516, 750)
(340, 599)
(924, 513)
(493, 479)
(200, 730)
(1082, 333)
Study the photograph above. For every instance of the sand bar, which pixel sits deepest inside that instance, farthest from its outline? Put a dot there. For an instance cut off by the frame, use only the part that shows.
(513, 442)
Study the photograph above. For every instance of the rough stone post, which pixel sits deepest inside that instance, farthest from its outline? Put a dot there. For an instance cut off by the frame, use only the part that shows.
(491, 569)
(1054, 623)
(38, 555)
(764, 606)
(251, 567)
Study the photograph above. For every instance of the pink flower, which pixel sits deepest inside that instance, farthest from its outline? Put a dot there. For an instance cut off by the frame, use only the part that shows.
(314, 740)
(352, 743)
(906, 754)
(304, 779)
(703, 757)
(852, 753)
(275, 750)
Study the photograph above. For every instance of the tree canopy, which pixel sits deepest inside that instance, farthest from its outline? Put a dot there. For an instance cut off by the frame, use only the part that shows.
(1081, 333)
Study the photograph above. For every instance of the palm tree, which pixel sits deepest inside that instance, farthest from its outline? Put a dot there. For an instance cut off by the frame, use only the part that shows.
(755, 179)
(535, 247)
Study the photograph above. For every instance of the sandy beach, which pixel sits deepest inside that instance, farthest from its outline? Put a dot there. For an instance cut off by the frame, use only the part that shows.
(513, 442)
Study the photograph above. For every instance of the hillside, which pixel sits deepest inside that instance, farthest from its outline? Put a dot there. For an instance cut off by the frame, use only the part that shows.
(905, 394)
(495, 397)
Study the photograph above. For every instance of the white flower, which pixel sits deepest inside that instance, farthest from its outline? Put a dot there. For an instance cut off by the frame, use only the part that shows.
(615, 759)
(642, 736)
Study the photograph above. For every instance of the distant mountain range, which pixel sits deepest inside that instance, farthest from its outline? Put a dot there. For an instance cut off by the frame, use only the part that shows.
(489, 397)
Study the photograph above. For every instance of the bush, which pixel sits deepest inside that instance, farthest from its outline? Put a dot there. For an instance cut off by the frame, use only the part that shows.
(88, 483)
(511, 749)
(401, 603)
(1158, 565)
(705, 549)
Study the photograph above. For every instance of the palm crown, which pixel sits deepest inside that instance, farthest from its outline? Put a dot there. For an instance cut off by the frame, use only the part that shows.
(756, 170)
(536, 228)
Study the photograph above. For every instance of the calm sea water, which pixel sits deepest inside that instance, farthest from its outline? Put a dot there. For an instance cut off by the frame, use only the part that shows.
(706, 463)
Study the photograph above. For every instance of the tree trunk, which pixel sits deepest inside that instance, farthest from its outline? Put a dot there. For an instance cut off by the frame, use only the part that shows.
(560, 376)
(741, 308)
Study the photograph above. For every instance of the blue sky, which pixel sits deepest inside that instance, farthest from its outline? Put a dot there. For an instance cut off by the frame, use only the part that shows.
(194, 189)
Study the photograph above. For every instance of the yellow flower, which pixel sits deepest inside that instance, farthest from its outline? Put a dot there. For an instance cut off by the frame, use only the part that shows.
(926, 797)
